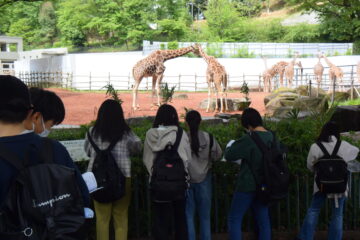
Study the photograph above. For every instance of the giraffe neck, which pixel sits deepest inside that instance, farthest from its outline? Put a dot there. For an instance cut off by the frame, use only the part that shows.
(204, 55)
(170, 54)
(330, 64)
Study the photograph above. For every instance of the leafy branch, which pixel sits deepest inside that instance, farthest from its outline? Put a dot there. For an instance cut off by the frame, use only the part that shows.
(113, 93)
(167, 93)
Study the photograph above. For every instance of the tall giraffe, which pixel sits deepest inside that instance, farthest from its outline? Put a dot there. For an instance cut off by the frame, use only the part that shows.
(153, 66)
(289, 69)
(335, 73)
(267, 75)
(215, 74)
(318, 72)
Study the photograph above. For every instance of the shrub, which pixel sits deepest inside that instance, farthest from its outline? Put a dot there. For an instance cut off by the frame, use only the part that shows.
(173, 45)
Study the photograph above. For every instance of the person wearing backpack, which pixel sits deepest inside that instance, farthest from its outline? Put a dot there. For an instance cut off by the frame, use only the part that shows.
(48, 111)
(166, 155)
(325, 155)
(109, 145)
(37, 167)
(205, 150)
(245, 152)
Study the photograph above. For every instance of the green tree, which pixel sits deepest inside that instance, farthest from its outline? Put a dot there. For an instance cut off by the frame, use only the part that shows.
(47, 21)
(248, 8)
(340, 18)
(222, 19)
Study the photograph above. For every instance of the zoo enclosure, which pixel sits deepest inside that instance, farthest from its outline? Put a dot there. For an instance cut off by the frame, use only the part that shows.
(260, 49)
(194, 82)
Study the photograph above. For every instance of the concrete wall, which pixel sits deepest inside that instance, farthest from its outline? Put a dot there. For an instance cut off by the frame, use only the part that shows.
(99, 68)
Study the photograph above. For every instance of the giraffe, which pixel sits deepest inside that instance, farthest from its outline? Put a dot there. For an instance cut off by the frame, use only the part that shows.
(267, 76)
(279, 68)
(153, 66)
(335, 73)
(289, 69)
(318, 72)
(215, 74)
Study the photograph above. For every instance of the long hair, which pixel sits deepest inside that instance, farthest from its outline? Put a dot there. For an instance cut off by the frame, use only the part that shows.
(193, 119)
(251, 118)
(110, 124)
(166, 116)
(329, 129)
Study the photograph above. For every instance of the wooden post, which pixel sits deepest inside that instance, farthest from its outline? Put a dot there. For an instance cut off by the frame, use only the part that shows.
(179, 82)
(195, 82)
(109, 78)
(333, 92)
(310, 88)
(90, 81)
(352, 83)
(129, 80)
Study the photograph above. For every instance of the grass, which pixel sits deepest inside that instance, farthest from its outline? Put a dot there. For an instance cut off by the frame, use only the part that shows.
(350, 102)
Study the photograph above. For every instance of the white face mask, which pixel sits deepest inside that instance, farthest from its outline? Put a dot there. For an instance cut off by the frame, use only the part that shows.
(45, 132)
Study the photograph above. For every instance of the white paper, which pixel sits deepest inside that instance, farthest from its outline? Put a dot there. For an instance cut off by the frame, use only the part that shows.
(90, 181)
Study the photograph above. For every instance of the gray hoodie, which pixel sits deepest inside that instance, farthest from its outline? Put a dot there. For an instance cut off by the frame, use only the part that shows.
(200, 165)
(158, 138)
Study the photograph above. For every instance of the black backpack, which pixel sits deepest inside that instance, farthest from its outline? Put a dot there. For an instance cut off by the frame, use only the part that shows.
(275, 182)
(169, 178)
(44, 201)
(331, 171)
(107, 174)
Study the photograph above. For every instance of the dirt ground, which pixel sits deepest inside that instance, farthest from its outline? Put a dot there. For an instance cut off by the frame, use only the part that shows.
(81, 107)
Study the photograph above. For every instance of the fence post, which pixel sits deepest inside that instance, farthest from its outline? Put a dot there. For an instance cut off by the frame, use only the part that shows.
(333, 92)
(109, 78)
(352, 83)
(129, 80)
(179, 82)
(296, 77)
(195, 82)
(310, 88)
(90, 81)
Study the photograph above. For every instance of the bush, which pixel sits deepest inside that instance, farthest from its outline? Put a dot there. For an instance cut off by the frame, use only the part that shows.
(356, 47)
(173, 45)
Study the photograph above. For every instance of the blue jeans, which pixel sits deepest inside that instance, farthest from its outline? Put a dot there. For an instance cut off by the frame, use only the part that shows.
(241, 202)
(199, 199)
(311, 218)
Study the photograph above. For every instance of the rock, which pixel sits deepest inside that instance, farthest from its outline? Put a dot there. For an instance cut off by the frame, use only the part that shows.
(228, 116)
(284, 89)
(347, 117)
(284, 95)
(340, 96)
(281, 112)
(313, 104)
(203, 104)
(212, 120)
(353, 135)
(181, 96)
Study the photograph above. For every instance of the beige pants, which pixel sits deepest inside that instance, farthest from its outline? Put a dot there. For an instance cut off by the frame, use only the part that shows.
(118, 210)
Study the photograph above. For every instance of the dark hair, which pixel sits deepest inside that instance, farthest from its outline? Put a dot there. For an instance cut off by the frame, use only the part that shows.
(193, 119)
(166, 116)
(110, 124)
(251, 118)
(14, 99)
(329, 129)
(48, 104)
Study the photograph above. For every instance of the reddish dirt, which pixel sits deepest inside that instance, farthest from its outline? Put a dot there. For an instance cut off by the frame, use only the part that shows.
(81, 107)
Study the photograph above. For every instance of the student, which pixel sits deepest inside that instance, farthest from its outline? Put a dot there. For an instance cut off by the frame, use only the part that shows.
(110, 126)
(163, 133)
(17, 136)
(246, 151)
(48, 110)
(199, 193)
(329, 136)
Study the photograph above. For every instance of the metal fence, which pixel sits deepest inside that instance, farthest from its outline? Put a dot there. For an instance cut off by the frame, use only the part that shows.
(193, 82)
(260, 49)
(286, 215)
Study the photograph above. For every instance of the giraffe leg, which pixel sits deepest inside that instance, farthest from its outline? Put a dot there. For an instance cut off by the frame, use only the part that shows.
(153, 90)
(135, 92)
(209, 97)
(158, 82)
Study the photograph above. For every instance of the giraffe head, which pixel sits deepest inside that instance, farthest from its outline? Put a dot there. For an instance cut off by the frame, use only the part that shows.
(196, 49)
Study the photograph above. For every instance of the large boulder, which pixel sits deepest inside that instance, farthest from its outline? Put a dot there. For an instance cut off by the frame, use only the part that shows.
(285, 99)
(203, 104)
(340, 96)
(283, 95)
(311, 104)
(304, 91)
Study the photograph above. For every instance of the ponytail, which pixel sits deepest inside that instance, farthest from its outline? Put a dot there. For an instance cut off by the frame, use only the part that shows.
(193, 119)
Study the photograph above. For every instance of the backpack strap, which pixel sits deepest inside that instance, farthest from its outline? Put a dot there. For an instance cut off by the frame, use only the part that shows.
(211, 138)
(261, 145)
(178, 138)
(323, 149)
(336, 148)
(10, 157)
(96, 148)
(47, 150)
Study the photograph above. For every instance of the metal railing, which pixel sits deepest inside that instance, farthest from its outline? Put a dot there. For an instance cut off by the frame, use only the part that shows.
(286, 215)
(185, 82)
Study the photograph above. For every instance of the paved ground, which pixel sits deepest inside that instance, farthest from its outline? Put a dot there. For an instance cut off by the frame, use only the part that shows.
(81, 107)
